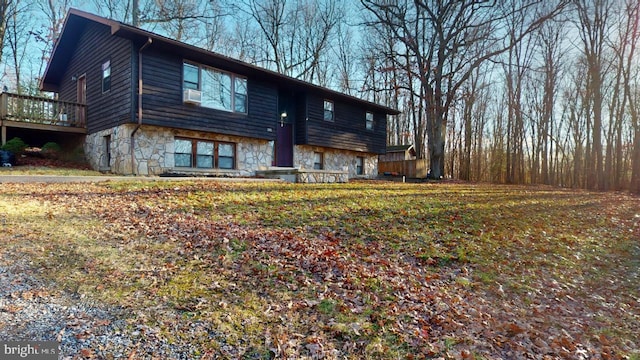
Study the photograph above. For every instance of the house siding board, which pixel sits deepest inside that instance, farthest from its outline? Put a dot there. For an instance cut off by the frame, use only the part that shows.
(347, 131)
(95, 46)
(163, 106)
(301, 121)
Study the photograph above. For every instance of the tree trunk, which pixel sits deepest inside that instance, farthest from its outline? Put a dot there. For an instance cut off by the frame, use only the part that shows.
(4, 12)
(635, 174)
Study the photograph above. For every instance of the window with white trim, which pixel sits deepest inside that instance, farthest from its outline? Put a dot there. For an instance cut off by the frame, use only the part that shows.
(369, 121)
(219, 89)
(328, 110)
(204, 154)
(106, 76)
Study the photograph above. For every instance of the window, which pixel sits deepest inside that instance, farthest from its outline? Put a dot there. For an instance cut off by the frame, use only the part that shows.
(318, 161)
(191, 77)
(369, 121)
(359, 165)
(226, 156)
(106, 76)
(220, 90)
(183, 153)
(107, 151)
(204, 154)
(328, 110)
(240, 95)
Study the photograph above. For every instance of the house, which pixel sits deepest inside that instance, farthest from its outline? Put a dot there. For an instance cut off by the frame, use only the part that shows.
(159, 106)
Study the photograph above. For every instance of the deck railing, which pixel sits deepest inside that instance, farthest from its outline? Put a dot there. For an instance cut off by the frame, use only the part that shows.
(40, 110)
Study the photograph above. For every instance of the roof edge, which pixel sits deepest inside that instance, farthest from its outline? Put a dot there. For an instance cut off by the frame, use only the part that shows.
(119, 29)
(72, 12)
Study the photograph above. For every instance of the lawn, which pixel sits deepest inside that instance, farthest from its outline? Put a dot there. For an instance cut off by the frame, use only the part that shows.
(361, 270)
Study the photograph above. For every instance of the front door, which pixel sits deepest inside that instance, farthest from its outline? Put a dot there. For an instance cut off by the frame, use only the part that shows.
(284, 145)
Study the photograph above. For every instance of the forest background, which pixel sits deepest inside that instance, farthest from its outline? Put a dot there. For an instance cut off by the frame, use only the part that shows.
(515, 91)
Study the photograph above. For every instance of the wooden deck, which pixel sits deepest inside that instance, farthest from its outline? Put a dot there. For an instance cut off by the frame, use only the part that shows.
(39, 113)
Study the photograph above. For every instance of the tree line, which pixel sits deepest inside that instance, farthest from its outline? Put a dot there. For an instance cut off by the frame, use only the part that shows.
(515, 91)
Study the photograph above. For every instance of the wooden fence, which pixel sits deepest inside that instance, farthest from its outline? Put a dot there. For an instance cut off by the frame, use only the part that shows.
(409, 168)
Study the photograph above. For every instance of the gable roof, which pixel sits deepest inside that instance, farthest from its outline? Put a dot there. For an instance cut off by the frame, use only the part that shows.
(399, 148)
(76, 20)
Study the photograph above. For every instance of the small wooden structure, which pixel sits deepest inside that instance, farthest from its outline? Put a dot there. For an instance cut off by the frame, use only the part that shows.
(398, 153)
(39, 113)
(401, 161)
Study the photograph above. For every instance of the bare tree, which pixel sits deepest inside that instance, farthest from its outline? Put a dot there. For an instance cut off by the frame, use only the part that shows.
(296, 34)
(118, 10)
(448, 40)
(17, 36)
(550, 41)
(593, 17)
(46, 36)
(346, 62)
(5, 13)
(517, 67)
(632, 88)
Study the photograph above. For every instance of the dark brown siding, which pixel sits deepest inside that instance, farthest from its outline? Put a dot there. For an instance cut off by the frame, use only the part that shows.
(348, 130)
(163, 106)
(95, 46)
(301, 120)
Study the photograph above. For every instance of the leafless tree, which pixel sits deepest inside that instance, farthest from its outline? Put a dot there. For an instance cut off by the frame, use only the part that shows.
(5, 13)
(631, 76)
(550, 43)
(448, 40)
(593, 25)
(118, 10)
(17, 35)
(296, 34)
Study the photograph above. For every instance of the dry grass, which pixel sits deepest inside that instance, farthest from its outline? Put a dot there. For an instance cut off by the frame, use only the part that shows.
(364, 270)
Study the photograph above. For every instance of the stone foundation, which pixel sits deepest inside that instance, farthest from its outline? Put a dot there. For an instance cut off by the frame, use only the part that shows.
(154, 152)
(336, 160)
(154, 155)
(322, 176)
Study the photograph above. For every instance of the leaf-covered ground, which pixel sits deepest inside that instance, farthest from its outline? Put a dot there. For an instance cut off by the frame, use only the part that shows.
(364, 270)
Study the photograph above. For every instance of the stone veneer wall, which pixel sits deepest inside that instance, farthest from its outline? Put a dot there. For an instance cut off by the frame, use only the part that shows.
(336, 160)
(154, 150)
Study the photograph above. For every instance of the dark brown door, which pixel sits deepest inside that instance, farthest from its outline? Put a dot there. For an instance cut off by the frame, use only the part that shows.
(81, 116)
(284, 145)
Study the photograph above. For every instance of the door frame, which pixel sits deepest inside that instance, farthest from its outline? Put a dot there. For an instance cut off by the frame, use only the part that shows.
(81, 98)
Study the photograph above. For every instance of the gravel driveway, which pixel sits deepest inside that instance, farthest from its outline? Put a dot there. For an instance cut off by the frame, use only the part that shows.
(33, 311)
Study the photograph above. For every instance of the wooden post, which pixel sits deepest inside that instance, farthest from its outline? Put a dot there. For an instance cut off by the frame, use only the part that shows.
(3, 106)
(3, 115)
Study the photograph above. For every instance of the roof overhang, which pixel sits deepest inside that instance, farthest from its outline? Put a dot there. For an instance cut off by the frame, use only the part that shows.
(77, 19)
(74, 23)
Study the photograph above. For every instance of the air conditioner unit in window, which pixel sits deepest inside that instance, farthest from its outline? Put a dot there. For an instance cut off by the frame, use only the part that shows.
(191, 96)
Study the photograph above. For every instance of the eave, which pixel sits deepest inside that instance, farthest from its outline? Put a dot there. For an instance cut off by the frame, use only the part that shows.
(77, 19)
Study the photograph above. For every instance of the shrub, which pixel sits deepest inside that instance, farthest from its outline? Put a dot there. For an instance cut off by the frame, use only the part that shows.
(51, 150)
(15, 145)
(51, 146)
(77, 155)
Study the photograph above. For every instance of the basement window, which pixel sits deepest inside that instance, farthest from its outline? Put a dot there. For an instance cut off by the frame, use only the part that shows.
(318, 160)
(359, 165)
(203, 154)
